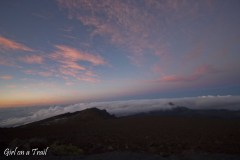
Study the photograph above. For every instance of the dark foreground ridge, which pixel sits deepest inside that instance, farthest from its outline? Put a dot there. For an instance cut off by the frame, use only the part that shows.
(91, 132)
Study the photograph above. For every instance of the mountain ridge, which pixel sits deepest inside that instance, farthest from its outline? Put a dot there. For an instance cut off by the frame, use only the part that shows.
(89, 114)
(93, 114)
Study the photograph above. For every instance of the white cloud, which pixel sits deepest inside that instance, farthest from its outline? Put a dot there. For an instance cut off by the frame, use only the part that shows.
(121, 108)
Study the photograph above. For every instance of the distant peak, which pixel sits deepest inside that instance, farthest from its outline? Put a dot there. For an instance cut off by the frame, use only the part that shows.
(92, 113)
(95, 110)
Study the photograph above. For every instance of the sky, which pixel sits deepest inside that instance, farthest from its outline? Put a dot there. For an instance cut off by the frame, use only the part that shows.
(72, 51)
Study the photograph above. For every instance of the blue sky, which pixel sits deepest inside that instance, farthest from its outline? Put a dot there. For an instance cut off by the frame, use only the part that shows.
(67, 51)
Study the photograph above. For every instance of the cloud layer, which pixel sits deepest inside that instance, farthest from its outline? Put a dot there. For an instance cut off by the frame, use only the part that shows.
(142, 28)
(32, 59)
(5, 77)
(8, 44)
(119, 108)
(200, 72)
(69, 60)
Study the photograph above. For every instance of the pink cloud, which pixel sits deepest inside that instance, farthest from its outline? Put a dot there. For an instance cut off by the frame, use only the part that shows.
(6, 61)
(178, 78)
(126, 24)
(198, 73)
(45, 73)
(88, 79)
(6, 77)
(72, 54)
(72, 65)
(8, 44)
(157, 69)
(68, 59)
(69, 72)
(66, 64)
(90, 74)
(196, 52)
(87, 76)
(33, 59)
(40, 73)
(205, 69)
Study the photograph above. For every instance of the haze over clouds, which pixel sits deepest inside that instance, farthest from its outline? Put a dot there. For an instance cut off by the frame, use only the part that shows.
(118, 108)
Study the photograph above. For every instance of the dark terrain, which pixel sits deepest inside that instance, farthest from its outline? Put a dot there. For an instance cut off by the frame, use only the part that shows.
(179, 131)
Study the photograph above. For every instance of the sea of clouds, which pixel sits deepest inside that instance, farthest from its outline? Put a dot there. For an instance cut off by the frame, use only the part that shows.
(10, 117)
